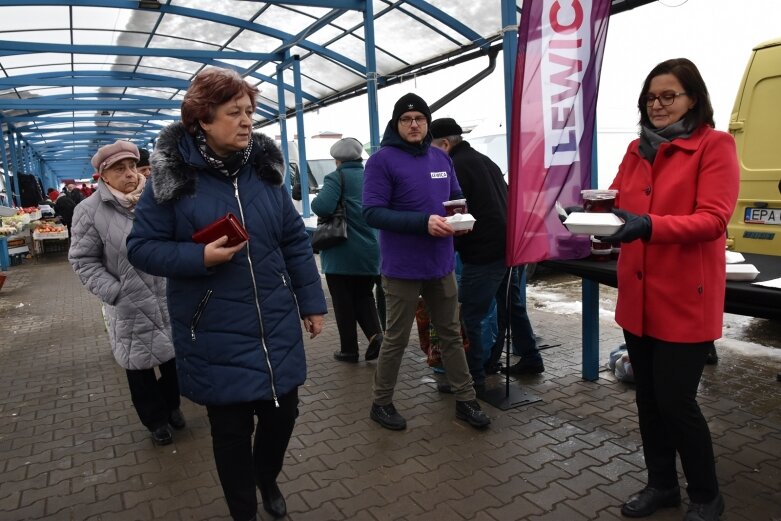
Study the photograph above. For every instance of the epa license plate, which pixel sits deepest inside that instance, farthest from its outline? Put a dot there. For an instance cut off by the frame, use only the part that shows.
(762, 216)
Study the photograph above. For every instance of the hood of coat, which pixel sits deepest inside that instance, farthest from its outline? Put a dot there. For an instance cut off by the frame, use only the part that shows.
(177, 163)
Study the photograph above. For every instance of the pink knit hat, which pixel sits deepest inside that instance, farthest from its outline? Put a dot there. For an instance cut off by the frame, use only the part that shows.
(109, 154)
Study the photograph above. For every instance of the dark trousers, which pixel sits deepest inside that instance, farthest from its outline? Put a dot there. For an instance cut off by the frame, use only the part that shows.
(480, 285)
(154, 398)
(353, 302)
(242, 464)
(667, 375)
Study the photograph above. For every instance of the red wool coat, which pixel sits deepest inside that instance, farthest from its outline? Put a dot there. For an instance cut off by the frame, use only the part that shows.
(671, 287)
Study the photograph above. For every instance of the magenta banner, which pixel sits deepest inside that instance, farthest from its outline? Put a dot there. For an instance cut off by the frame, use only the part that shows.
(560, 45)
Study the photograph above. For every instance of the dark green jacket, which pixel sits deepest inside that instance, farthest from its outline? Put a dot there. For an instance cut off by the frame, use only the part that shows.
(360, 253)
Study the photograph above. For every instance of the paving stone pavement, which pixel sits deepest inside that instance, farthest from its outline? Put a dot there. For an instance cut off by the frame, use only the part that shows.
(72, 448)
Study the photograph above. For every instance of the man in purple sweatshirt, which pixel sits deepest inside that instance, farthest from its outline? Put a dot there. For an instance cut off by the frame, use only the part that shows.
(405, 183)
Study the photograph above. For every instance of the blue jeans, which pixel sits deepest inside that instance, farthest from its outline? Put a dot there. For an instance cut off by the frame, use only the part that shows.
(481, 283)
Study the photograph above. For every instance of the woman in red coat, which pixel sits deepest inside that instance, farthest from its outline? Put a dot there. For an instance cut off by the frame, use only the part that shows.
(677, 187)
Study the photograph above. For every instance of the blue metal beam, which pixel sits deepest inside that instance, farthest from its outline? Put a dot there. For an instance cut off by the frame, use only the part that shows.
(184, 54)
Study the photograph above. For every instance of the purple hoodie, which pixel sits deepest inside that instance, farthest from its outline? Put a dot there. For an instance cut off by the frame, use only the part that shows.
(400, 192)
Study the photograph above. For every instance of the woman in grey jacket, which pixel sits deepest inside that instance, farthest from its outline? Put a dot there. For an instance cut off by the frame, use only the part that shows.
(134, 302)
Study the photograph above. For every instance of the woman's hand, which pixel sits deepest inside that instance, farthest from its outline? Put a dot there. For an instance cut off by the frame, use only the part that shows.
(215, 253)
(313, 324)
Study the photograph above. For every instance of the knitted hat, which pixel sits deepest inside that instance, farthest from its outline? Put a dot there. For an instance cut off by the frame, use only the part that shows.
(444, 127)
(347, 149)
(143, 157)
(408, 103)
(109, 154)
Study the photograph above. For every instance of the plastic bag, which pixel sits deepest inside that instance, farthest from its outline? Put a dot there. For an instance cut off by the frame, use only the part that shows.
(620, 364)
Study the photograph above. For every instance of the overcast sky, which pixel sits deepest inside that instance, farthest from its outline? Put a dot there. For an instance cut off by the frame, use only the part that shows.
(717, 35)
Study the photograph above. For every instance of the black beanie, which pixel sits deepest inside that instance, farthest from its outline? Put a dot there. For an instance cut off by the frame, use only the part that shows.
(444, 127)
(408, 103)
(144, 157)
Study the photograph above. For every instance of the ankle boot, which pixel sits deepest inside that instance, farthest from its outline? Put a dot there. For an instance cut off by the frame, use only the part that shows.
(273, 502)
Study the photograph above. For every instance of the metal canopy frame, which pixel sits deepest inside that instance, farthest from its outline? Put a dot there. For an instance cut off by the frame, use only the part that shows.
(77, 74)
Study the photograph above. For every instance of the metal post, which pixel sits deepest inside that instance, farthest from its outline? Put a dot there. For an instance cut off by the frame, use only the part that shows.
(283, 123)
(6, 167)
(303, 165)
(371, 76)
(590, 367)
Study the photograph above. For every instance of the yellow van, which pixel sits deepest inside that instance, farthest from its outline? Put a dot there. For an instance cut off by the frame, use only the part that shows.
(755, 123)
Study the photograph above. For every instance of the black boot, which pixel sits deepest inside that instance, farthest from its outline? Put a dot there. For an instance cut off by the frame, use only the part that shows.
(649, 500)
(273, 502)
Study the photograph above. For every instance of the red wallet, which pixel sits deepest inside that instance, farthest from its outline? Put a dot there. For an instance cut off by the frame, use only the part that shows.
(228, 225)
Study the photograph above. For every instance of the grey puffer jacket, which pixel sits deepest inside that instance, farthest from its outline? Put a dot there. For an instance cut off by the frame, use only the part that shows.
(134, 302)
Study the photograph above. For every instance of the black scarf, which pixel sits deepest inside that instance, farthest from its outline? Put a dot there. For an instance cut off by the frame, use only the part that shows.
(651, 138)
(230, 165)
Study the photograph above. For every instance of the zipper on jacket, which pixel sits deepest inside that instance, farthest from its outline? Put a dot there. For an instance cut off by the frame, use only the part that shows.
(257, 298)
(292, 293)
(198, 312)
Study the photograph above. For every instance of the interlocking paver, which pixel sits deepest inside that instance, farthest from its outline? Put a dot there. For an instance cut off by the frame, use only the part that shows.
(71, 445)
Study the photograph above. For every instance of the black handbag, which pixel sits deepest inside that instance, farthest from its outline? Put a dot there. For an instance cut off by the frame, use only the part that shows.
(332, 230)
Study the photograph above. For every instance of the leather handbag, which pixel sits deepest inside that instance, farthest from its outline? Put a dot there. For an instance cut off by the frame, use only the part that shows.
(228, 225)
(332, 230)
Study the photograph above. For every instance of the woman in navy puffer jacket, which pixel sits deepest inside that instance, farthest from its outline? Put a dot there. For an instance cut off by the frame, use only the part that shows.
(234, 310)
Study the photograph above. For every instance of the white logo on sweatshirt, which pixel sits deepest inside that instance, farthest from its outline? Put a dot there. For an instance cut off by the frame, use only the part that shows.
(438, 175)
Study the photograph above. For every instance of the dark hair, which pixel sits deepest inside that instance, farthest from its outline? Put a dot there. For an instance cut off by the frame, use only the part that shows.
(691, 81)
(209, 89)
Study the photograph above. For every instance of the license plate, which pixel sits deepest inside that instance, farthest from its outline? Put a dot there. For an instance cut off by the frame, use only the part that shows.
(762, 216)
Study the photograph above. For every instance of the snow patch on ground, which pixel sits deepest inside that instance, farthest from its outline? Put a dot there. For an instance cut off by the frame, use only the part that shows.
(749, 349)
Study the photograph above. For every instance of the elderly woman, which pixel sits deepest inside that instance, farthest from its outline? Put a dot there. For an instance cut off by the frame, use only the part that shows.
(351, 267)
(235, 309)
(134, 302)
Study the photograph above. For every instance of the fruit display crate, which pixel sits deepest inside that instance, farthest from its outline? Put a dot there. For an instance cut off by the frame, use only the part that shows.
(38, 236)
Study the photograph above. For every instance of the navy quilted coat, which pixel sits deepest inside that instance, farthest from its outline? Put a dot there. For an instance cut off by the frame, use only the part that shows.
(236, 326)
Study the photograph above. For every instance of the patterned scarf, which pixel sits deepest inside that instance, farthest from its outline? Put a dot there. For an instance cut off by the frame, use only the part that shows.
(651, 138)
(128, 200)
(230, 165)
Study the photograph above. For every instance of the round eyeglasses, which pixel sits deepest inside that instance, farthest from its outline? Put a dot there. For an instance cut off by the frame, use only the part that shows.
(665, 98)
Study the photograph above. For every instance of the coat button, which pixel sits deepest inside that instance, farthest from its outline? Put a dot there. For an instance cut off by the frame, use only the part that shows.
(639, 275)
(647, 190)
(699, 290)
(668, 153)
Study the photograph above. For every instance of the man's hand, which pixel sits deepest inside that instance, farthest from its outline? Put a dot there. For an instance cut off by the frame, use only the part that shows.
(313, 324)
(215, 253)
(438, 226)
(635, 227)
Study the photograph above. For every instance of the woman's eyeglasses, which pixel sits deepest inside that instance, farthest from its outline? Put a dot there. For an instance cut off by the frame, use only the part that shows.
(665, 98)
(406, 121)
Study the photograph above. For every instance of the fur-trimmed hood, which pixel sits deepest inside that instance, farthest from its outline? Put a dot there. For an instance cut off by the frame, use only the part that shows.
(177, 163)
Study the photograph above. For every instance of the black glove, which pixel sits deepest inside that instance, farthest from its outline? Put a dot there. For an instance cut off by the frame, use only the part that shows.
(635, 227)
(569, 210)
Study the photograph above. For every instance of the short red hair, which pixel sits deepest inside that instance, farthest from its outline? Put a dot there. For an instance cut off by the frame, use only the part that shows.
(209, 89)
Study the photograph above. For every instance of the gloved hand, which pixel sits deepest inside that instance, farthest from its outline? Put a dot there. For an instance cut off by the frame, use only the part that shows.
(635, 227)
(569, 210)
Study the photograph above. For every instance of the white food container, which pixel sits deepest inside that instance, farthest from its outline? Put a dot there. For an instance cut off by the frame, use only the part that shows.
(742, 272)
(461, 221)
(593, 223)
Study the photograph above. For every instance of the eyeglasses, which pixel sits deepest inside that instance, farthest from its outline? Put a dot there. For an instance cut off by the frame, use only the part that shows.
(406, 121)
(665, 98)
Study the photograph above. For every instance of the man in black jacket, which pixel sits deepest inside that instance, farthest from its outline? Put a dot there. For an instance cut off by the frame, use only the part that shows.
(485, 276)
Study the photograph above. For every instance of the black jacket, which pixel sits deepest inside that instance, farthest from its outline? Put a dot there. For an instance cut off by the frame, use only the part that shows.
(485, 190)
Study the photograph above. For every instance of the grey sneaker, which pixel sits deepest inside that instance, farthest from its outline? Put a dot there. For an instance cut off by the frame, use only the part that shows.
(387, 416)
(471, 413)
